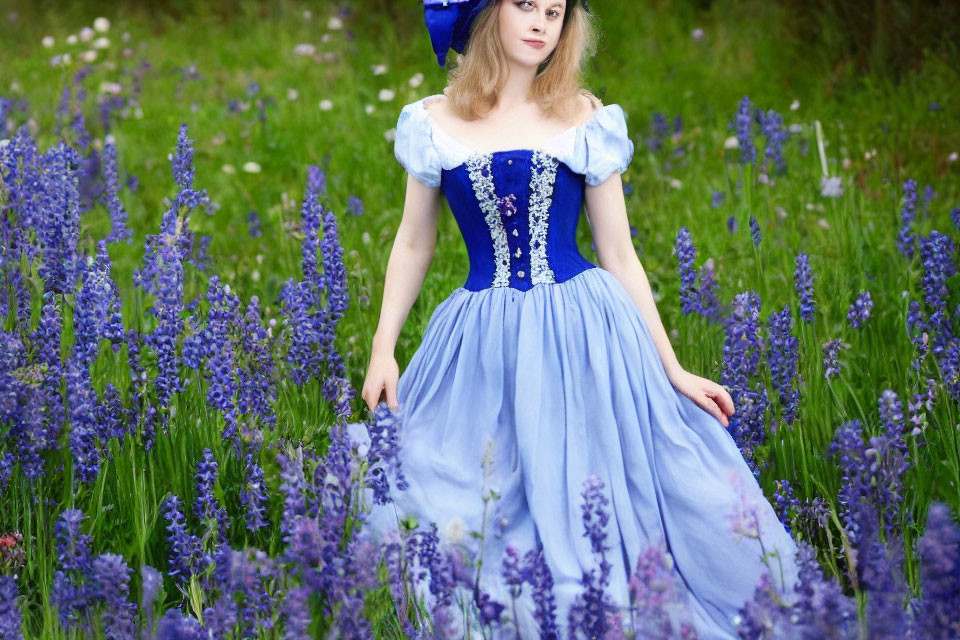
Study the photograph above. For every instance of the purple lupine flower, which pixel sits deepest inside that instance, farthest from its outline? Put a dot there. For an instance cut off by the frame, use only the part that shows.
(955, 217)
(655, 592)
(803, 284)
(296, 614)
(872, 477)
(590, 609)
(70, 591)
(831, 351)
(253, 224)
(686, 254)
(755, 231)
(716, 200)
(939, 551)
(763, 615)
(879, 570)
(382, 455)
(859, 311)
(176, 626)
(785, 503)
(152, 582)
(186, 553)
(545, 606)
(118, 215)
(936, 251)
(293, 487)
(11, 621)
(207, 506)
(928, 195)
(257, 383)
(822, 606)
(708, 305)
(253, 495)
(111, 578)
(490, 611)
(732, 224)
(906, 241)
(58, 226)
(84, 442)
(659, 129)
(743, 345)
(784, 358)
(338, 301)
(220, 366)
(97, 309)
(775, 136)
(355, 206)
(748, 152)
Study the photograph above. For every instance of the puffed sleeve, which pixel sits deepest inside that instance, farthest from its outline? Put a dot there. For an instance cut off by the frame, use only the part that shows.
(609, 148)
(413, 145)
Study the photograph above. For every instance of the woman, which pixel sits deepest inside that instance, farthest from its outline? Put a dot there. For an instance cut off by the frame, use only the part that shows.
(544, 369)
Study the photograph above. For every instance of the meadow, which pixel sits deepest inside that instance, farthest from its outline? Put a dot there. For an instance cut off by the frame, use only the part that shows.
(195, 212)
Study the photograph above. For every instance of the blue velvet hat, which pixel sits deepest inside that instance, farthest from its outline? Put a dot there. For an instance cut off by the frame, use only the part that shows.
(449, 22)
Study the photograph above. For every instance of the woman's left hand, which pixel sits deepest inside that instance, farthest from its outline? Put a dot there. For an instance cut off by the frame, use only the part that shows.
(706, 393)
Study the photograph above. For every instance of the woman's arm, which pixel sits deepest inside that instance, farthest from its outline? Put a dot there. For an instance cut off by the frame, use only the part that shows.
(607, 217)
(409, 260)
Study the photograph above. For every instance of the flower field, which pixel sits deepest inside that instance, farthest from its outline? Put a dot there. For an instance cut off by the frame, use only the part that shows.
(194, 211)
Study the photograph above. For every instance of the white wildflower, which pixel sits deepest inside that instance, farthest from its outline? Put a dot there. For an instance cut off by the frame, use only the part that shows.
(697, 34)
(326, 105)
(228, 169)
(101, 43)
(86, 34)
(794, 105)
(334, 23)
(455, 529)
(304, 49)
(731, 143)
(831, 186)
(390, 134)
(292, 94)
(416, 80)
(251, 167)
(822, 222)
(88, 56)
(386, 94)
(110, 87)
(368, 109)
(675, 184)
(952, 157)
(378, 69)
(47, 41)
(101, 24)
(72, 39)
(307, 14)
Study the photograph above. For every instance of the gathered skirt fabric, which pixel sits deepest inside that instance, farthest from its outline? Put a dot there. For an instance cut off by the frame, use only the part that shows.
(551, 385)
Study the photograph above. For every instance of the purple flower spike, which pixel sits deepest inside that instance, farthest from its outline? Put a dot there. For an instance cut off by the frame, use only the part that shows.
(859, 311)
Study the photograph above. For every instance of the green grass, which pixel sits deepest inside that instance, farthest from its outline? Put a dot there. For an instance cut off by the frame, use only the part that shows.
(647, 63)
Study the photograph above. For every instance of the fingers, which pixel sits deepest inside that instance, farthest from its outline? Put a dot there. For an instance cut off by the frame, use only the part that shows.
(392, 397)
(714, 409)
(722, 398)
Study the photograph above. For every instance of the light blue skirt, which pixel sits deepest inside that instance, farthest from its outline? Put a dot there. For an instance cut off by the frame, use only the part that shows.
(549, 386)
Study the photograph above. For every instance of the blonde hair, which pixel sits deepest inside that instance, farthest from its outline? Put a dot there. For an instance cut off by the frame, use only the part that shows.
(481, 71)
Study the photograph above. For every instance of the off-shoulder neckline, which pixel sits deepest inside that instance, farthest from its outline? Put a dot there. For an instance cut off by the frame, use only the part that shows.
(543, 146)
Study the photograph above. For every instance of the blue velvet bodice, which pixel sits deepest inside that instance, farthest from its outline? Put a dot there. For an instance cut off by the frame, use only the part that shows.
(517, 209)
(518, 212)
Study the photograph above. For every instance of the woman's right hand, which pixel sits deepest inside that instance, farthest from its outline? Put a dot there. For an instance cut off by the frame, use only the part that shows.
(382, 375)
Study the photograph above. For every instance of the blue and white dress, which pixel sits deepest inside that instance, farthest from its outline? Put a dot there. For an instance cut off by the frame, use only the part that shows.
(542, 362)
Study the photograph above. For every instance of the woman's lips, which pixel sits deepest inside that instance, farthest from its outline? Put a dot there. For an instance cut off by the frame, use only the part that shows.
(535, 44)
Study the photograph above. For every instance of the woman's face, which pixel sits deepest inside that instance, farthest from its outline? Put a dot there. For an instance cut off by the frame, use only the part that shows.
(523, 23)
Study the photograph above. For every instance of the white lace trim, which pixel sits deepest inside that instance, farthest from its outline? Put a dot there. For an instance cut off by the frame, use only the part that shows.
(481, 177)
(543, 174)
